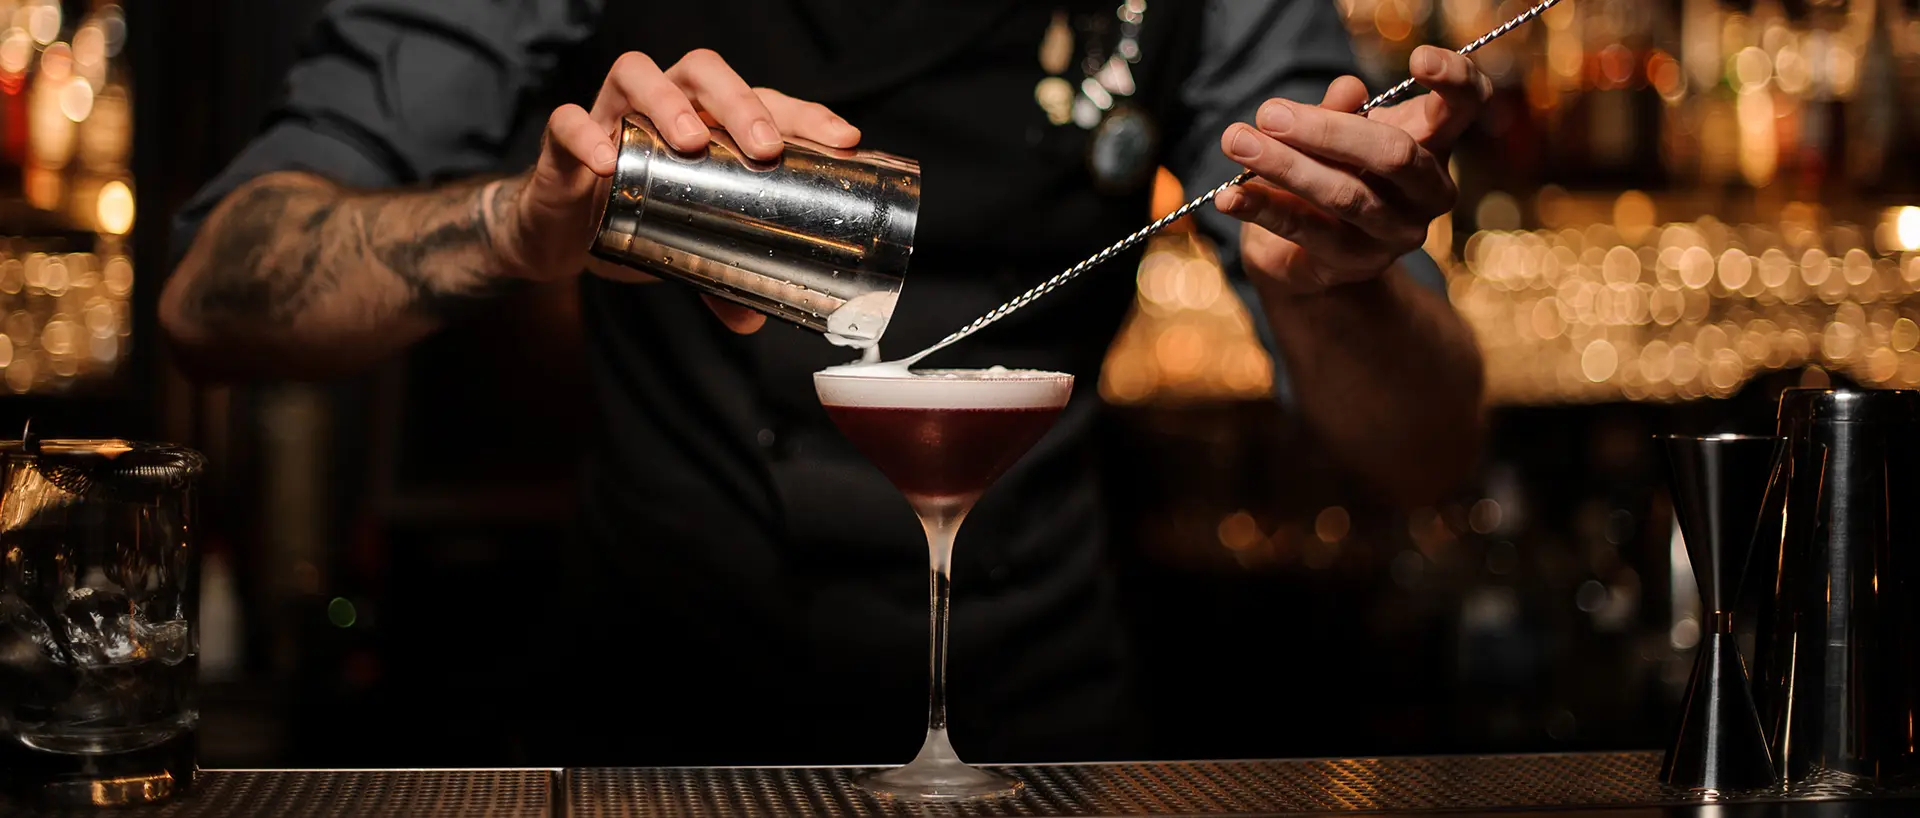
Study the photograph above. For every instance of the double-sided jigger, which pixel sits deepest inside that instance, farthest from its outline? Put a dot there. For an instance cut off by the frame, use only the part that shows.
(1720, 485)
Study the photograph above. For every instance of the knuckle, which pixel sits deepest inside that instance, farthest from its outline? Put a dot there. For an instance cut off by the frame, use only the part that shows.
(746, 101)
(706, 61)
(633, 61)
(1321, 127)
(1278, 221)
(1350, 200)
(1278, 165)
(1401, 153)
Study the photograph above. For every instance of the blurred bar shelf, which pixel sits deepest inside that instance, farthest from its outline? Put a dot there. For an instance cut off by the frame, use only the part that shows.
(1572, 784)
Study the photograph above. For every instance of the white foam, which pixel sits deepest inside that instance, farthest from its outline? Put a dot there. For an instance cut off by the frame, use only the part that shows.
(859, 322)
(891, 385)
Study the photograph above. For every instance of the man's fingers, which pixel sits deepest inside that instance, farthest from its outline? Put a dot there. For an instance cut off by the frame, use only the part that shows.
(1277, 258)
(1335, 191)
(557, 194)
(1345, 94)
(635, 83)
(707, 78)
(1460, 92)
(737, 318)
(1374, 148)
(576, 140)
(1332, 244)
(809, 120)
(1293, 266)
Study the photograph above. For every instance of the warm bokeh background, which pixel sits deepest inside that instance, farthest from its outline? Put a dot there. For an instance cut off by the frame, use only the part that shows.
(1674, 209)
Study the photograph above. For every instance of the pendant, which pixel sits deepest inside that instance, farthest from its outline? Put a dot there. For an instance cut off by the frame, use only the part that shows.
(1121, 150)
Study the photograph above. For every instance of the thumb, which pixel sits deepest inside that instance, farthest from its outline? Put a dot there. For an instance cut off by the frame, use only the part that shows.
(557, 207)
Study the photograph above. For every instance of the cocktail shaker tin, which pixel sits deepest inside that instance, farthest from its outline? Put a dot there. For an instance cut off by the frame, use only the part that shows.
(819, 237)
(1837, 665)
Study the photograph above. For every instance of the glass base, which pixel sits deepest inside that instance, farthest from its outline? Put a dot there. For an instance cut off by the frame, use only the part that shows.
(937, 774)
(150, 775)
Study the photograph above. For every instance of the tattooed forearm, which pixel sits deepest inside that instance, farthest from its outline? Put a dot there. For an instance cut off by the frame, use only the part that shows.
(292, 261)
(284, 247)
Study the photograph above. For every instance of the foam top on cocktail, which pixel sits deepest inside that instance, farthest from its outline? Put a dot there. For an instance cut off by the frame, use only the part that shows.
(997, 388)
(943, 435)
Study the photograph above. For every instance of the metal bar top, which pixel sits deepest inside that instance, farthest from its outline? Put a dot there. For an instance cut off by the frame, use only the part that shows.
(1613, 785)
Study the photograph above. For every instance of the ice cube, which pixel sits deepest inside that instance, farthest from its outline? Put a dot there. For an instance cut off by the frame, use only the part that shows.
(19, 617)
(33, 675)
(166, 641)
(100, 626)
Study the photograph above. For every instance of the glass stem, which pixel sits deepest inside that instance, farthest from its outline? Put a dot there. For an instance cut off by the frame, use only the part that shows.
(941, 525)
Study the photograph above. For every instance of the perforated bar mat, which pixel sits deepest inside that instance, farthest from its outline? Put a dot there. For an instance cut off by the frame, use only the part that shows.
(346, 794)
(1455, 783)
(1596, 780)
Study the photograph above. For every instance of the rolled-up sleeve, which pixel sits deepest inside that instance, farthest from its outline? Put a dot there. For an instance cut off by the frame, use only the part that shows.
(1253, 51)
(395, 92)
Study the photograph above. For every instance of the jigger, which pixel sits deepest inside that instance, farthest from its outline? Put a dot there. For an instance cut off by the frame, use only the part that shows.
(818, 237)
(1720, 485)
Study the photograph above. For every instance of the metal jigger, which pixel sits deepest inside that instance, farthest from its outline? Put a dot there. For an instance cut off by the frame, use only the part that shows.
(1719, 486)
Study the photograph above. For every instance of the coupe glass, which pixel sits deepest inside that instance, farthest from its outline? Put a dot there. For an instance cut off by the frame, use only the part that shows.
(942, 437)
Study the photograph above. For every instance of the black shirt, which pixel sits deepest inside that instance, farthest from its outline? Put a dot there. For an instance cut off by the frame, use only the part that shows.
(748, 589)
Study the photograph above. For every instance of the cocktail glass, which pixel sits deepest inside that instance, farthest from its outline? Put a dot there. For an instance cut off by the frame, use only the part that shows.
(942, 437)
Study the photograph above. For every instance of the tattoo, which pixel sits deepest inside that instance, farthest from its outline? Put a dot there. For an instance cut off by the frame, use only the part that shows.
(349, 260)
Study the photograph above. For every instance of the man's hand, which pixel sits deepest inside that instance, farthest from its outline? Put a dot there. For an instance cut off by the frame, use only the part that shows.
(1337, 198)
(548, 225)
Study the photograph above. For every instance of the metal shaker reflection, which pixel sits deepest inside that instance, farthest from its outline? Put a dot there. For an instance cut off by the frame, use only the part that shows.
(1838, 675)
(819, 237)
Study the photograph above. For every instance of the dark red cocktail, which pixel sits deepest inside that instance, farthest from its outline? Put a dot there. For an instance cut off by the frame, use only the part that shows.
(942, 437)
(942, 453)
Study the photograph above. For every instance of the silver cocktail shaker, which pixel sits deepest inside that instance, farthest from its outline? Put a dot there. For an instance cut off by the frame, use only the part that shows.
(819, 237)
(1837, 676)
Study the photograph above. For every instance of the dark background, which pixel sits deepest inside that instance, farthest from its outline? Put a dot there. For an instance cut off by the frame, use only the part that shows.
(387, 533)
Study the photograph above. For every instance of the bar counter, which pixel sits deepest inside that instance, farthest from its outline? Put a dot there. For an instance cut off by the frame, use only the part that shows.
(1574, 785)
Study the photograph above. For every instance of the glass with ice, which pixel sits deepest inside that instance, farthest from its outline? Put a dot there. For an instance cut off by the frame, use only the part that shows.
(99, 574)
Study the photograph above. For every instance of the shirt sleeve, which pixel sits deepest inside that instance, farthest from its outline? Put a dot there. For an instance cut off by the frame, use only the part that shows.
(395, 92)
(1252, 51)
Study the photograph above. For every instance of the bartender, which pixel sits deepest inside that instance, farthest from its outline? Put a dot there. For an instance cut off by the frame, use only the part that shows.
(747, 589)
